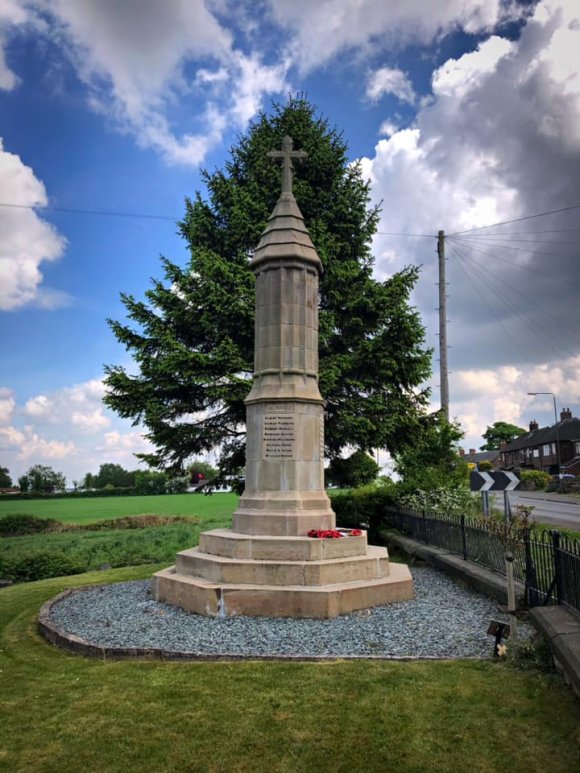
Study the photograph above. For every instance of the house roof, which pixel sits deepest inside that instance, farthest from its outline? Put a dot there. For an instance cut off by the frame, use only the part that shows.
(569, 429)
(482, 456)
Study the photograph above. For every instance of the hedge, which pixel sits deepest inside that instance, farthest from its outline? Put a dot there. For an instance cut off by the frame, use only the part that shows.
(363, 507)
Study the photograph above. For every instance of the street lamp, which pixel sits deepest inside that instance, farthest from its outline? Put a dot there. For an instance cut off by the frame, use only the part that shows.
(557, 429)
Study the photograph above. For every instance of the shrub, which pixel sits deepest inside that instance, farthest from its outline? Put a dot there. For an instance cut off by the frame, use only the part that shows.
(440, 501)
(534, 480)
(39, 566)
(363, 508)
(137, 522)
(485, 466)
(18, 524)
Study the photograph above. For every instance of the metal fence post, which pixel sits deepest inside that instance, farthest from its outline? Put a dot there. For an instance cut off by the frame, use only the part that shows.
(463, 537)
(531, 584)
(557, 564)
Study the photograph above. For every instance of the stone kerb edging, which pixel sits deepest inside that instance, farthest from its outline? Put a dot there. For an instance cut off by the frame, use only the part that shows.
(79, 646)
(478, 577)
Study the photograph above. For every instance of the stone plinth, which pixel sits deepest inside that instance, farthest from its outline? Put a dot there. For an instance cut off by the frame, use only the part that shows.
(207, 597)
(267, 565)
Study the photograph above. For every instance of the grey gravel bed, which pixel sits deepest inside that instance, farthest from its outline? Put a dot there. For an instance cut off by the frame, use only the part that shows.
(444, 620)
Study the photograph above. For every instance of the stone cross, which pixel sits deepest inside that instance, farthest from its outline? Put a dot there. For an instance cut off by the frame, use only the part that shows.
(286, 155)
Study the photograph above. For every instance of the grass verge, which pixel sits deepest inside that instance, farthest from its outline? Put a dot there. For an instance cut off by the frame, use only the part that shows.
(59, 712)
(88, 510)
(38, 556)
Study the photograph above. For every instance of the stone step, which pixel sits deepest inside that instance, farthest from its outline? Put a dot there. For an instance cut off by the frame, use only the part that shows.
(230, 544)
(220, 569)
(204, 597)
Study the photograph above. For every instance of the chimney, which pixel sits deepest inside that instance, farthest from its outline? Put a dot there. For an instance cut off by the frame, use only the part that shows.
(533, 425)
(472, 451)
(462, 452)
(565, 413)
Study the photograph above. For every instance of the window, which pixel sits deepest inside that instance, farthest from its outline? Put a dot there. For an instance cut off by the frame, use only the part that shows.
(546, 449)
(577, 448)
(553, 448)
(536, 453)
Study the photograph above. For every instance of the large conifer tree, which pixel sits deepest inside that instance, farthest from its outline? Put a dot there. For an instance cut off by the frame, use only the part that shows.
(192, 336)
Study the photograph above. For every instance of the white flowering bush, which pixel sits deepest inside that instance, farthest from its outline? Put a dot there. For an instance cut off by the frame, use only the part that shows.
(440, 501)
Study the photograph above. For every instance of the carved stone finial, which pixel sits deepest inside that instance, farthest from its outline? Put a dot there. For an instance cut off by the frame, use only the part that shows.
(285, 157)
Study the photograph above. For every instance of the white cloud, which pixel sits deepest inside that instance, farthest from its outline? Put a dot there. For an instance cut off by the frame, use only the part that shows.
(388, 80)
(91, 421)
(12, 14)
(142, 60)
(69, 427)
(120, 442)
(39, 407)
(252, 81)
(78, 407)
(27, 240)
(326, 28)
(388, 128)
(26, 445)
(482, 154)
(499, 139)
(484, 396)
(458, 76)
(7, 405)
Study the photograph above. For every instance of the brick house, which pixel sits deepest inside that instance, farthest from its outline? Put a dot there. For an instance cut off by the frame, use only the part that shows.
(475, 457)
(537, 448)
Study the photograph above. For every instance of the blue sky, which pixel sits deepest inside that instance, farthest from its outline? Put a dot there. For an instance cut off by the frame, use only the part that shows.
(465, 113)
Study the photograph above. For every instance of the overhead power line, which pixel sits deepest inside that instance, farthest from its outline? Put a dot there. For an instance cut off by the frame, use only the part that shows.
(517, 220)
(108, 213)
(391, 233)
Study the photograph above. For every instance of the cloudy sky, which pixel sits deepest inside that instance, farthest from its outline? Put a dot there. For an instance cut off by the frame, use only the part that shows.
(466, 114)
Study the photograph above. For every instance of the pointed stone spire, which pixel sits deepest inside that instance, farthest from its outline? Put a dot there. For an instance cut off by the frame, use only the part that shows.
(286, 236)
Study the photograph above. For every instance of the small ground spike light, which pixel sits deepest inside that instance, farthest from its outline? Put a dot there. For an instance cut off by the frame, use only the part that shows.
(500, 631)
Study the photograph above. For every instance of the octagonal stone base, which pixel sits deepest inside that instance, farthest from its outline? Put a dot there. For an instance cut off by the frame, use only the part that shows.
(274, 576)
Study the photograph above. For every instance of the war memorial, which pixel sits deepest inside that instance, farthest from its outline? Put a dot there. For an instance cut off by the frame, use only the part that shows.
(274, 561)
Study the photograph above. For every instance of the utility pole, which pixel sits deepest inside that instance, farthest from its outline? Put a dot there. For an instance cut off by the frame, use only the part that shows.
(443, 369)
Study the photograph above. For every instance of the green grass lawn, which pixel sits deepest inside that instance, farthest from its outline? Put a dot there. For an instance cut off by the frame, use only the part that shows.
(60, 712)
(89, 510)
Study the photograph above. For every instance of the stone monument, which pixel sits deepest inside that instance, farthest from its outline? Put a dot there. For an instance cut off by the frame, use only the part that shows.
(267, 564)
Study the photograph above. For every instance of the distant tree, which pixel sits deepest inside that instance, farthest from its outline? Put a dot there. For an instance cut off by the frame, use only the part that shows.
(5, 479)
(201, 471)
(43, 480)
(88, 481)
(433, 459)
(23, 484)
(150, 482)
(192, 336)
(500, 432)
(115, 475)
(357, 470)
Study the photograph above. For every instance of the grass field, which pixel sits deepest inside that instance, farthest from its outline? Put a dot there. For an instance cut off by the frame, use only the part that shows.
(216, 506)
(36, 556)
(60, 712)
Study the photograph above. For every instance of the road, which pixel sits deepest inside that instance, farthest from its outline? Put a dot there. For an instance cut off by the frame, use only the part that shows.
(558, 511)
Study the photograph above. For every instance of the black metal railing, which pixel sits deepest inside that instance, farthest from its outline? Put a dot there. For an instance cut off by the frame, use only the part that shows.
(547, 563)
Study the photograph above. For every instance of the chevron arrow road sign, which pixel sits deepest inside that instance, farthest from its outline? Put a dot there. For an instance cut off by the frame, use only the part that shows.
(480, 481)
(502, 480)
